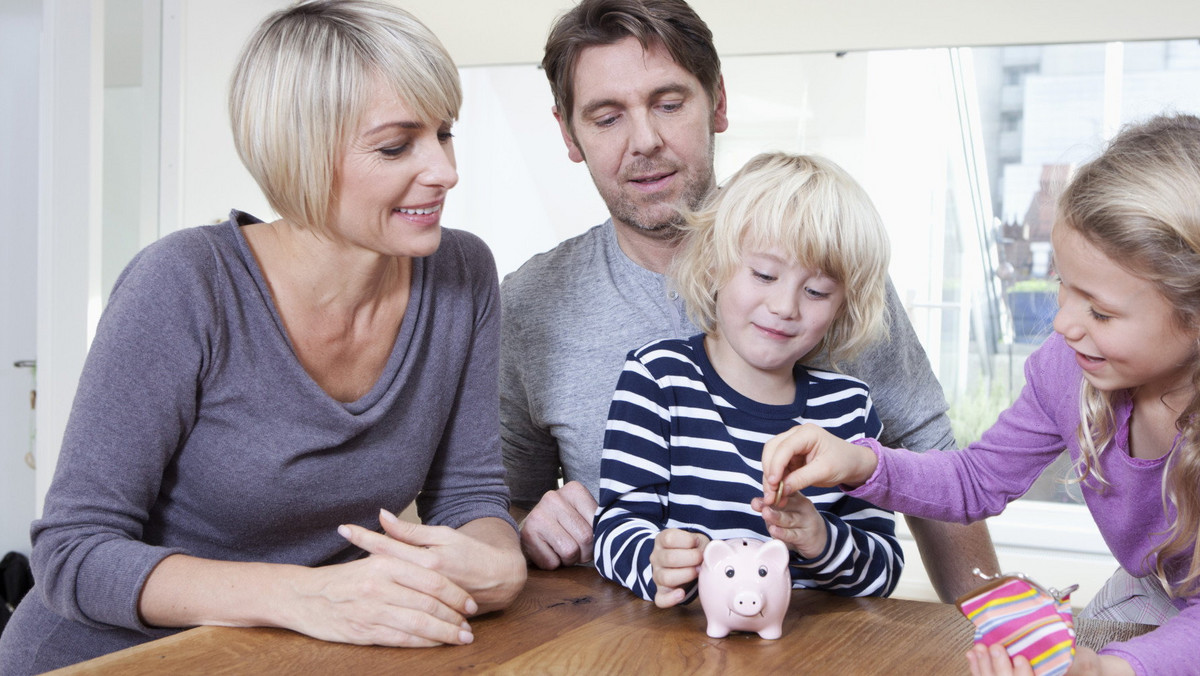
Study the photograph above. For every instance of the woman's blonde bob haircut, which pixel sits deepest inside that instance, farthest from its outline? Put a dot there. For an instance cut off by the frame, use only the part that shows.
(812, 211)
(303, 82)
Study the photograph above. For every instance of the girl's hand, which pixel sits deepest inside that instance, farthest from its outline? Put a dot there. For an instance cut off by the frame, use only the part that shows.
(675, 560)
(483, 558)
(807, 455)
(994, 661)
(798, 525)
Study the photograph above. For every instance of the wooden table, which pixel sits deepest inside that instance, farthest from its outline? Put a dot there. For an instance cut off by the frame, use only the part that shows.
(574, 622)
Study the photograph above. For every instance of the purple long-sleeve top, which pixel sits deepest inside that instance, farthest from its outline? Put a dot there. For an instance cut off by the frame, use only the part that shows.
(196, 430)
(979, 481)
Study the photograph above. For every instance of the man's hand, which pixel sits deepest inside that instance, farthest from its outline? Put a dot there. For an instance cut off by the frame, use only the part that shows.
(558, 532)
(675, 561)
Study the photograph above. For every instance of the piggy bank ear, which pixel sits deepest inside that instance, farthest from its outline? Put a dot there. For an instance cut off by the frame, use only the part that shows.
(774, 553)
(717, 550)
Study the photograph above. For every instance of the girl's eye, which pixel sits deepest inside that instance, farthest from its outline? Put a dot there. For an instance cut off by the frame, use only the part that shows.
(1099, 317)
(819, 295)
(761, 276)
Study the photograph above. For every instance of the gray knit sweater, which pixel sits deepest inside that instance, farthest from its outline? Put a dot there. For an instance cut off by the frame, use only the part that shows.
(196, 430)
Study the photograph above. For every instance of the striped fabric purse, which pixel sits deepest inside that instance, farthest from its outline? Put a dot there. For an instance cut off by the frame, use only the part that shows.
(1025, 618)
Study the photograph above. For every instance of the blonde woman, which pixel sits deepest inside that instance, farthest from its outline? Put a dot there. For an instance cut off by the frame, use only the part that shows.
(261, 399)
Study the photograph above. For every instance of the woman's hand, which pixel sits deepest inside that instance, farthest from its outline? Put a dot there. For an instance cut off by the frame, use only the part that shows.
(807, 455)
(798, 525)
(482, 557)
(994, 661)
(675, 560)
(382, 600)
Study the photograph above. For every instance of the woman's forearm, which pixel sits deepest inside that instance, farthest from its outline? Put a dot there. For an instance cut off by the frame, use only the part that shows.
(507, 570)
(185, 591)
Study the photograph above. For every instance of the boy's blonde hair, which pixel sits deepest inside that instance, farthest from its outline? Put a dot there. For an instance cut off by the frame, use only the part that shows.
(817, 215)
(1139, 204)
(303, 82)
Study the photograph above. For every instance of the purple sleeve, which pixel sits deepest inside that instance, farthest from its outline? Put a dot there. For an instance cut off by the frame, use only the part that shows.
(978, 481)
(1170, 650)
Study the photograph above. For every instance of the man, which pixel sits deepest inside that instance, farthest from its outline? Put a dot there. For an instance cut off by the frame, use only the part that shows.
(639, 98)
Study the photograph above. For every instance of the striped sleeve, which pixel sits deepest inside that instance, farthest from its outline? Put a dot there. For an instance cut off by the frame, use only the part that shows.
(634, 481)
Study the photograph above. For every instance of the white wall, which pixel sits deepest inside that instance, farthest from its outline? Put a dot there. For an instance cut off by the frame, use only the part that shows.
(20, 23)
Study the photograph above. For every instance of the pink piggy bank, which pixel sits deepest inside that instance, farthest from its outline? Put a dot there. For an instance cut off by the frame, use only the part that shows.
(745, 586)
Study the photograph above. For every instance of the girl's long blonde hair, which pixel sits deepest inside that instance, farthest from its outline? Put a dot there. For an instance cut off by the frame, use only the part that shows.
(1139, 203)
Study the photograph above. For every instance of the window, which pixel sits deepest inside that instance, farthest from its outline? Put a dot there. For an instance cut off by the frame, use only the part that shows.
(962, 150)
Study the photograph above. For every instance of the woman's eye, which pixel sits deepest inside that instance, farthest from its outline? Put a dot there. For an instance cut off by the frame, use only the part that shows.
(393, 151)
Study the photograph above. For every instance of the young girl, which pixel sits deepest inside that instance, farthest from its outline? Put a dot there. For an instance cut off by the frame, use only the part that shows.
(785, 261)
(1116, 385)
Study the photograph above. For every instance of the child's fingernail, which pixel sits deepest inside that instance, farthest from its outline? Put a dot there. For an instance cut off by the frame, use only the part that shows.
(344, 531)
(466, 637)
(472, 607)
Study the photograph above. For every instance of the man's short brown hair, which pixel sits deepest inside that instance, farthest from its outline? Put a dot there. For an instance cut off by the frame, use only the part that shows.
(670, 23)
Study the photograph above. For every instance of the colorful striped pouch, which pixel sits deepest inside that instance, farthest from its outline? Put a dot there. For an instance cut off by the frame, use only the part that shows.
(1025, 618)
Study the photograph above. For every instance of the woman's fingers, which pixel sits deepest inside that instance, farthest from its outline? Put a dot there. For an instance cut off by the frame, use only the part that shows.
(383, 601)
(417, 572)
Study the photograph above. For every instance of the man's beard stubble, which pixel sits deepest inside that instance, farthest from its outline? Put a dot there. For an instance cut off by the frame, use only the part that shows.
(666, 227)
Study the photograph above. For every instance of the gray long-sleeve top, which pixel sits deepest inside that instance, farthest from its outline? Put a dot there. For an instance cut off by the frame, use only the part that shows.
(196, 430)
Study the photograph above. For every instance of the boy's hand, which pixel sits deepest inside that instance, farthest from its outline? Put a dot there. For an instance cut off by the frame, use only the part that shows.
(799, 525)
(807, 455)
(675, 561)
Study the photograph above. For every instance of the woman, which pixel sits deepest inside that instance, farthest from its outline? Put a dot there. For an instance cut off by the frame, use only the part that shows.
(259, 395)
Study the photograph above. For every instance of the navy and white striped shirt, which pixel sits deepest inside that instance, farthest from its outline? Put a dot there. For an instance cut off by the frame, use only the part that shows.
(683, 449)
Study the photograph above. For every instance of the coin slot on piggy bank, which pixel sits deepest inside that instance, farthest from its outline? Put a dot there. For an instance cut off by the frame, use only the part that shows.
(745, 586)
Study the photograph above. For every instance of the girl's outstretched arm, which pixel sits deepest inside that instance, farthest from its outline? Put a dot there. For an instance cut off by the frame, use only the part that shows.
(808, 455)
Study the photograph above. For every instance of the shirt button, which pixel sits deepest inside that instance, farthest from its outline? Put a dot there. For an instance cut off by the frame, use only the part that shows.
(672, 295)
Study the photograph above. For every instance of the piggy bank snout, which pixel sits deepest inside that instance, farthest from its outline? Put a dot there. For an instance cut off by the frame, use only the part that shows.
(747, 603)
